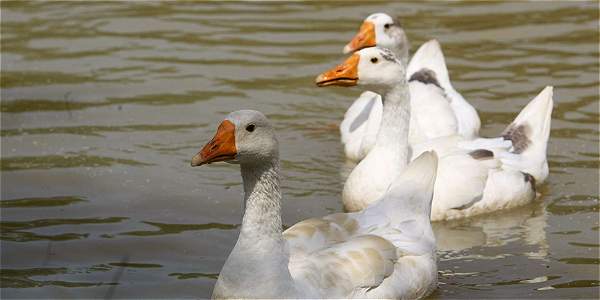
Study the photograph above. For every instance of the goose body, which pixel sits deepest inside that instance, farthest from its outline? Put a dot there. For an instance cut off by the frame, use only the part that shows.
(445, 114)
(474, 176)
(384, 251)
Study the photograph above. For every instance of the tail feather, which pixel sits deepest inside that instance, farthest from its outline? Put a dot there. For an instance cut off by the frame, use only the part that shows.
(408, 198)
(415, 185)
(421, 170)
(530, 130)
(529, 134)
(403, 214)
(430, 56)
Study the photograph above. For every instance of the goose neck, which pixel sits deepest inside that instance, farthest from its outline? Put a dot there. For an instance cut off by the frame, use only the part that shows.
(262, 201)
(402, 53)
(401, 49)
(393, 132)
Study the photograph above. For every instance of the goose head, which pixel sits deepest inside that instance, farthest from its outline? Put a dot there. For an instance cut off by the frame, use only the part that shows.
(376, 69)
(244, 137)
(381, 30)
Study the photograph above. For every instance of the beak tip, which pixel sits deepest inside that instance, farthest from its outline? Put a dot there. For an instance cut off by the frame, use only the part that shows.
(319, 79)
(347, 49)
(196, 160)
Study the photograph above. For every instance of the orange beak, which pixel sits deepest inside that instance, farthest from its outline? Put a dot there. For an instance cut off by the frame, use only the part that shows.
(220, 148)
(345, 74)
(365, 38)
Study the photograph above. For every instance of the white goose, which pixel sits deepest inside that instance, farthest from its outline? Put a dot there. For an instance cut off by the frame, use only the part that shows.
(445, 114)
(470, 180)
(384, 251)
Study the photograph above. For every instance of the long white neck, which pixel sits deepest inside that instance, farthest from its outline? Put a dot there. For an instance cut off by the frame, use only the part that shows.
(262, 199)
(393, 132)
(258, 264)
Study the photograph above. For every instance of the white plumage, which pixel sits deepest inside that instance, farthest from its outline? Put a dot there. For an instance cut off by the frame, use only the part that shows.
(384, 251)
(474, 176)
(444, 111)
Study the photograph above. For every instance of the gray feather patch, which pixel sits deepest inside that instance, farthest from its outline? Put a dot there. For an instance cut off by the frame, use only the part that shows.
(388, 55)
(397, 22)
(364, 115)
(469, 204)
(481, 154)
(425, 76)
(518, 136)
(530, 179)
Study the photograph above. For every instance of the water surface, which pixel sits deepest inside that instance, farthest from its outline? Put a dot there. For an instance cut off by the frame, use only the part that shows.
(104, 104)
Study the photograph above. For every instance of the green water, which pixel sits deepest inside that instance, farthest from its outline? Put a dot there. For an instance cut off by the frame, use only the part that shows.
(103, 104)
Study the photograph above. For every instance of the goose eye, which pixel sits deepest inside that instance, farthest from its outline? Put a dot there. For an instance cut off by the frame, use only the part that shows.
(387, 26)
(374, 60)
(250, 128)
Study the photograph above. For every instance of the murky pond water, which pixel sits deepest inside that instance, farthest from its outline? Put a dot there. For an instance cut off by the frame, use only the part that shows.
(104, 104)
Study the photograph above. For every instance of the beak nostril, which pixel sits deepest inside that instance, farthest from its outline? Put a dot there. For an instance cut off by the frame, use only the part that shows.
(214, 147)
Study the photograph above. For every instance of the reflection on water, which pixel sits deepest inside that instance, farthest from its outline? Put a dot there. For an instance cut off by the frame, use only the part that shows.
(22, 278)
(62, 161)
(525, 224)
(16, 231)
(97, 130)
(194, 275)
(103, 104)
(40, 202)
(178, 228)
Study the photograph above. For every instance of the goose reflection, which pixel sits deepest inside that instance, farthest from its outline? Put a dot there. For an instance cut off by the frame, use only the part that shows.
(526, 223)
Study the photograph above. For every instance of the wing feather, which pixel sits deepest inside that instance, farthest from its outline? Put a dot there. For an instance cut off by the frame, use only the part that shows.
(363, 261)
(314, 234)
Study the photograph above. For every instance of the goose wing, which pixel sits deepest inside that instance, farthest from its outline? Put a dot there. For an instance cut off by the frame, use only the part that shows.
(361, 262)
(356, 120)
(342, 255)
